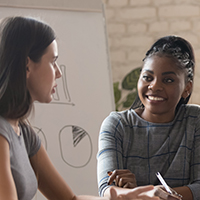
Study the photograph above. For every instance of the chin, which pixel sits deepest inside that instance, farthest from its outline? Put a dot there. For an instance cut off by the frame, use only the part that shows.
(45, 100)
(48, 101)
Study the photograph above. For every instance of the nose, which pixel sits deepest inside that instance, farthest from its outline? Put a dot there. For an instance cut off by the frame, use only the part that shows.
(155, 85)
(58, 71)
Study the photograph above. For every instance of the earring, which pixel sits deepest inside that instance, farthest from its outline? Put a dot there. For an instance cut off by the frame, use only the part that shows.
(187, 93)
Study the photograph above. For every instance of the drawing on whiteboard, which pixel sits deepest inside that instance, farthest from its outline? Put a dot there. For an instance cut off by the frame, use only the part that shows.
(75, 146)
(41, 135)
(62, 95)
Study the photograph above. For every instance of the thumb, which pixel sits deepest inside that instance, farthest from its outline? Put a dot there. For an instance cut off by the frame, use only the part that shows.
(113, 194)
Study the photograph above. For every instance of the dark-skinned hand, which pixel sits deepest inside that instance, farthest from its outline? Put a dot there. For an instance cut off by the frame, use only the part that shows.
(163, 194)
(123, 178)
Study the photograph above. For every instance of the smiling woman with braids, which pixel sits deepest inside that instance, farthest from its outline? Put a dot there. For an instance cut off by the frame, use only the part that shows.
(160, 133)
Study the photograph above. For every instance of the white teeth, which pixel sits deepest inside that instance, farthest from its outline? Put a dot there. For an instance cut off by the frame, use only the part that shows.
(155, 98)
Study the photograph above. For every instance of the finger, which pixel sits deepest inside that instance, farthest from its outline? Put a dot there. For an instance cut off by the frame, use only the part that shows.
(112, 177)
(130, 185)
(121, 177)
(111, 180)
(145, 197)
(121, 181)
(113, 194)
(127, 182)
(142, 189)
(120, 171)
(173, 197)
(124, 179)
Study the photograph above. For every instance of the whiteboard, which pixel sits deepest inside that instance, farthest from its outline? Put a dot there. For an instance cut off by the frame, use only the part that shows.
(69, 125)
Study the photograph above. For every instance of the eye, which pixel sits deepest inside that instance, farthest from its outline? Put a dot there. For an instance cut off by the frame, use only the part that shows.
(54, 61)
(147, 78)
(168, 80)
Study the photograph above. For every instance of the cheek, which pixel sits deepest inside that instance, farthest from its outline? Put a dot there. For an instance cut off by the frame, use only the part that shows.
(52, 73)
(179, 89)
(175, 94)
(140, 86)
(140, 89)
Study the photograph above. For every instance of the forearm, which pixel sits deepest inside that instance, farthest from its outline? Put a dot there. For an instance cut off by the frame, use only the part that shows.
(185, 192)
(111, 196)
(85, 197)
(142, 192)
(118, 190)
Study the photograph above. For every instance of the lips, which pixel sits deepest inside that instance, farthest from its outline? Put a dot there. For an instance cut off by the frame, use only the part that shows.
(54, 89)
(155, 98)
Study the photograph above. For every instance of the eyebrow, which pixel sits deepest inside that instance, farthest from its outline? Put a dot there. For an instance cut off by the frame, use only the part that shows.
(170, 72)
(164, 73)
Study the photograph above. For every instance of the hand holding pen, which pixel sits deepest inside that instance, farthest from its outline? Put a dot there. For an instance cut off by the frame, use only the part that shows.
(172, 194)
(122, 178)
(163, 183)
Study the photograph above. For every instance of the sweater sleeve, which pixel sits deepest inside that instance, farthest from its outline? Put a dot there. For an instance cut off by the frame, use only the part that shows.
(195, 161)
(109, 155)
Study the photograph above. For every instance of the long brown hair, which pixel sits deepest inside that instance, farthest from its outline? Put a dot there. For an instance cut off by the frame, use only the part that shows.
(20, 38)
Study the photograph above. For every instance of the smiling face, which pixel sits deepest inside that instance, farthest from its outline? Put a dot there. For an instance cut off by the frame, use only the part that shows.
(160, 87)
(41, 76)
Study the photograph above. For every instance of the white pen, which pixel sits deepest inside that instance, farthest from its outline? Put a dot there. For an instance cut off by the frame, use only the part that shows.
(163, 182)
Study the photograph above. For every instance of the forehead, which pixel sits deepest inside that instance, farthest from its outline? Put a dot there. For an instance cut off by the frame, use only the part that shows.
(52, 49)
(162, 63)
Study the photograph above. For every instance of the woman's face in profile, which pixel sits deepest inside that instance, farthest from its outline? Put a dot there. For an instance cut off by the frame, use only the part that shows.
(41, 76)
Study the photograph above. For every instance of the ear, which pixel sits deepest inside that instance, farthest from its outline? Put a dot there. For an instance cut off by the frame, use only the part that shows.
(188, 89)
(28, 67)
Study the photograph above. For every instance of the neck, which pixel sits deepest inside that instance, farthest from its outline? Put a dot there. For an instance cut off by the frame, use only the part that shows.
(15, 125)
(155, 118)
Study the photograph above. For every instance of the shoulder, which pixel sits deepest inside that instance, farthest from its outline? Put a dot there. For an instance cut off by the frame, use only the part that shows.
(192, 117)
(28, 132)
(122, 117)
(5, 129)
(191, 109)
(4, 124)
(31, 139)
(122, 114)
(190, 113)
